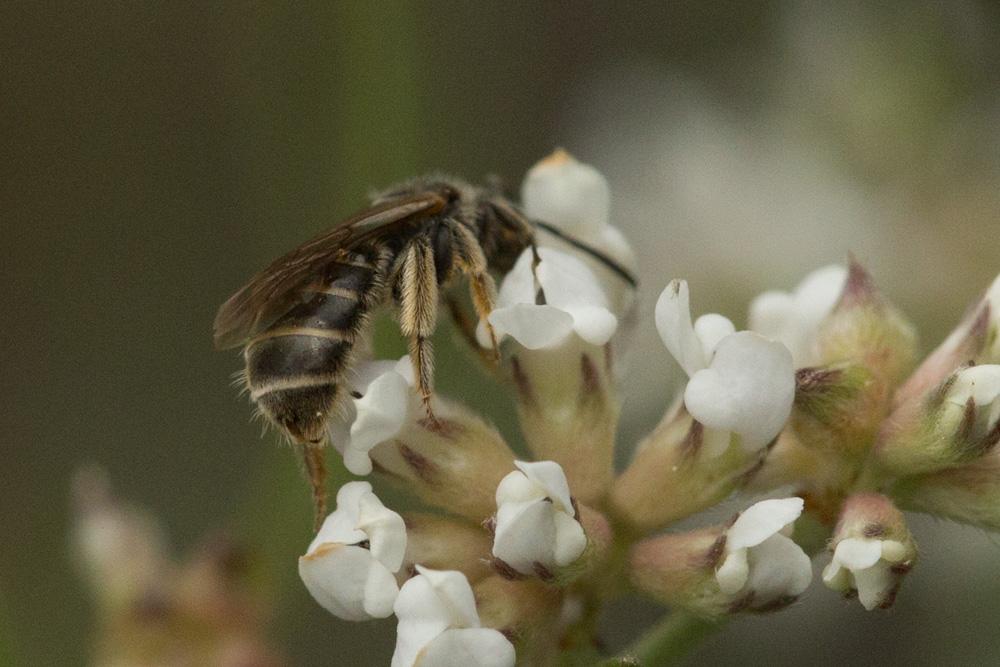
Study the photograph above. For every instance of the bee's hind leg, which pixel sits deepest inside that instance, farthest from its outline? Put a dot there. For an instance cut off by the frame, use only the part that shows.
(472, 262)
(417, 295)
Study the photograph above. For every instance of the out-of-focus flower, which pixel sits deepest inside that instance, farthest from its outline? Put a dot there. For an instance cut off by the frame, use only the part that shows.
(793, 318)
(740, 382)
(750, 566)
(872, 550)
(382, 400)
(575, 197)
(350, 565)
(537, 530)
(439, 625)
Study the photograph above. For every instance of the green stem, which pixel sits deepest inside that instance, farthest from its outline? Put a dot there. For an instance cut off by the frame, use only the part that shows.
(671, 639)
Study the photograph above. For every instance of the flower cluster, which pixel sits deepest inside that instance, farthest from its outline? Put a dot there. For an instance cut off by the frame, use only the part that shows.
(816, 408)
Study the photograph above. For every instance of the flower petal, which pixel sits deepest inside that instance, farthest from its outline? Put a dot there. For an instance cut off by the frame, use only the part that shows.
(386, 532)
(468, 647)
(593, 324)
(778, 569)
(381, 412)
(348, 582)
(762, 520)
(570, 541)
(749, 389)
(673, 322)
(549, 477)
(732, 575)
(873, 583)
(525, 534)
(534, 327)
(856, 553)
(341, 525)
(711, 329)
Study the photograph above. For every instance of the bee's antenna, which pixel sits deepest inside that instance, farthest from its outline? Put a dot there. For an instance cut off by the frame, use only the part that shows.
(593, 252)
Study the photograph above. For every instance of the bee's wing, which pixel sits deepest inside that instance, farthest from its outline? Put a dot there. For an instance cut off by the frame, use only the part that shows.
(273, 291)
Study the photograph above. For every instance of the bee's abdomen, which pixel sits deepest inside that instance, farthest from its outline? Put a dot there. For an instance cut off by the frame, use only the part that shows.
(294, 368)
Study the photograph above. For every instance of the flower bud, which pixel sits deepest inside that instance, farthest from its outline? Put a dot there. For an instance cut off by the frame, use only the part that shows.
(453, 463)
(864, 347)
(750, 566)
(958, 423)
(526, 612)
(680, 469)
(439, 625)
(537, 529)
(872, 550)
(968, 493)
(443, 543)
(349, 567)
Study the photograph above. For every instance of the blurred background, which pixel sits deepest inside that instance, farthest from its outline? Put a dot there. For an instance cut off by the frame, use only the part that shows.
(157, 154)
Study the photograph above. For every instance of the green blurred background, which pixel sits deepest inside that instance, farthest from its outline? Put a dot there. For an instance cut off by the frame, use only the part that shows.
(156, 154)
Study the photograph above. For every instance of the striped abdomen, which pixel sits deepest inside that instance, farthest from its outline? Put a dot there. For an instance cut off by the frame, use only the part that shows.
(294, 368)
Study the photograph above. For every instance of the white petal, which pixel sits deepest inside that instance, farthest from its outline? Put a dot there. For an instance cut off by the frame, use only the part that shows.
(455, 593)
(770, 314)
(593, 324)
(525, 534)
(469, 647)
(516, 487)
(749, 389)
(778, 568)
(549, 476)
(534, 327)
(873, 583)
(733, 573)
(762, 520)
(421, 619)
(673, 322)
(711, 329)
(568, 281)
(568, 194)
(341, 525)
(386, 532)
(894, 552)
(381, 412)
(818, 293)
(980, 383)
(570, 541)
(858, 553)
(366, 373)
(348, 582)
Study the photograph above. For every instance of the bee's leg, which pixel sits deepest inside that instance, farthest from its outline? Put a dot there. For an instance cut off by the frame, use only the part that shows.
(313, 458)
(417, 292)
(467, 327)
(536, 259)
(472, 262)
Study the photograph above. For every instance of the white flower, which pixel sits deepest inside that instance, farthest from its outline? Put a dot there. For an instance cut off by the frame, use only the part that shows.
(349, 566)
(535, 521)
(760, 559)
(740, 382)
(794, 318)
(383, 403)
(575, 198)
(865, 565)
(439, 625)
(575, 302)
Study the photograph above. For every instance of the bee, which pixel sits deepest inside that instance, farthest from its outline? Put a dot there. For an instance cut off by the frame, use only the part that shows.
(301, 318)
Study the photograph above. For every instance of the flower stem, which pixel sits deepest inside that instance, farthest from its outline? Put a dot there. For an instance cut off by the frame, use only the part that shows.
(671, 639)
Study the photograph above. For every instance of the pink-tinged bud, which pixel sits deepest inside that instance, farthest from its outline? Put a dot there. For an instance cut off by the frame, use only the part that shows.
(454, 463)
(957, 423)
(442, 543)
(865, 347)
(872, 550)
(679, 470)
(750, 565)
